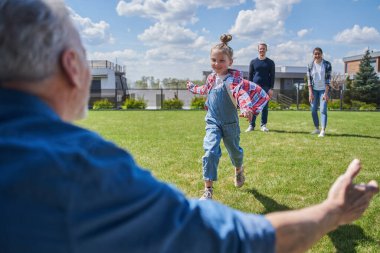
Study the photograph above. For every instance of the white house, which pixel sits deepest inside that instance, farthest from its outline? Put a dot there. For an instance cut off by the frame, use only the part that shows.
(108, 81)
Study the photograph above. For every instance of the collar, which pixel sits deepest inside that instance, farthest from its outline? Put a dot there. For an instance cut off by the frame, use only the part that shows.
(15, 101)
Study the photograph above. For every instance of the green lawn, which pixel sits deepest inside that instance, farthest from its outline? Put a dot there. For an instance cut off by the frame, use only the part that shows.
(286, 168)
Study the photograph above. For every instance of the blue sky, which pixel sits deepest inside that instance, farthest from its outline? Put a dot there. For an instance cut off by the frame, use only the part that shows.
(172, 38)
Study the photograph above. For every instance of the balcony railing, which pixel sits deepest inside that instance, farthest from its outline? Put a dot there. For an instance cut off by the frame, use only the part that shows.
(98, 64)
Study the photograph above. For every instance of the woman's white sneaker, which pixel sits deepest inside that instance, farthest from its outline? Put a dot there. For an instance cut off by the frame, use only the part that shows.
(316, 131)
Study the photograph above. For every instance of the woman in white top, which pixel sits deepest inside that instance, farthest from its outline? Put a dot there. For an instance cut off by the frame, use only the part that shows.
(318, 77)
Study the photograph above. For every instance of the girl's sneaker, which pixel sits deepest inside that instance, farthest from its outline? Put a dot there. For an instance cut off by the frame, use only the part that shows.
(207, 194)
(239, 178)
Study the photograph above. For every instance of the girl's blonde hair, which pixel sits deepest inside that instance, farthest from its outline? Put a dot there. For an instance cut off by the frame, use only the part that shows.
(223, 45)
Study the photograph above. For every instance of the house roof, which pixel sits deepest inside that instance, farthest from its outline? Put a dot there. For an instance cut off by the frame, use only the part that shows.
(359, 57)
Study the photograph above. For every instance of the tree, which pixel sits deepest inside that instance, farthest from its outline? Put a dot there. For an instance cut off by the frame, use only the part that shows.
(143, 83)
(154, 84)
(174, 83)
(147, 82)
(366, 86)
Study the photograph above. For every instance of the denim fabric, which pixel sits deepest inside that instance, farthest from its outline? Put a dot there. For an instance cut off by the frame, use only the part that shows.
(222, 122)
(318, 101)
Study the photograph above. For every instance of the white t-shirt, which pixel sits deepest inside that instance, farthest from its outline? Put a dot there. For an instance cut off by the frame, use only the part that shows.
(318, 74)
(219, 82)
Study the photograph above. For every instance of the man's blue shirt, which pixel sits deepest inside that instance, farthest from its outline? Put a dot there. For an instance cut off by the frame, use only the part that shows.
(65, 189)
(262, 72)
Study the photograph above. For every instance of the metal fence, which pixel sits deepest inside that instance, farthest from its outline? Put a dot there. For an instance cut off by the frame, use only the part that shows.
(154, 98)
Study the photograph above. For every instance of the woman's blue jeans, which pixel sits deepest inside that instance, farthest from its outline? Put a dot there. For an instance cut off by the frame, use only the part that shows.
(318, 101)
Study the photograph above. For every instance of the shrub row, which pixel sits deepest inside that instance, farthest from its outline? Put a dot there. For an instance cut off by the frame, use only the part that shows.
(198, 102)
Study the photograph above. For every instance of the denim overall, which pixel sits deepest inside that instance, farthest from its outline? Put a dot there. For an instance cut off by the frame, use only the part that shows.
(222, 122)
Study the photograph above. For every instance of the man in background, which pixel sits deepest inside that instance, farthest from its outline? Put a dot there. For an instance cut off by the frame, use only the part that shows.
(262, 72)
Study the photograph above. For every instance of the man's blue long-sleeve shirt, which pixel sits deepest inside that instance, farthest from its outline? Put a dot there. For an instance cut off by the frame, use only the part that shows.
(65, 189)
(262, 72)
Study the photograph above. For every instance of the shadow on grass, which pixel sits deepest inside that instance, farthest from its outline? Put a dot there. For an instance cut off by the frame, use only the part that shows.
(345, 238)
(327, 134)
(269, 204)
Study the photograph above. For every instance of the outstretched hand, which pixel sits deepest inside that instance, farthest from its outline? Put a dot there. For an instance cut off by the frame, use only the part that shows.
(351, 200)
(247, 114)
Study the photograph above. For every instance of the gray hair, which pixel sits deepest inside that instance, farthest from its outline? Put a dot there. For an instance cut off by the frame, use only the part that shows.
(33, 34)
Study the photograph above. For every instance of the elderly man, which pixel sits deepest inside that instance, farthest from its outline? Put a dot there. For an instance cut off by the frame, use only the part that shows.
(65, 189)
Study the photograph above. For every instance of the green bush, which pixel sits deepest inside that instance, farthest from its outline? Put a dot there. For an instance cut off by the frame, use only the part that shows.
(172, 104)
(302, 107)
(333, 104)
(355, 104)
(346, 106)
(198, 103)
(131, 103)
(274, 105)
(368, 107)
(103, 104)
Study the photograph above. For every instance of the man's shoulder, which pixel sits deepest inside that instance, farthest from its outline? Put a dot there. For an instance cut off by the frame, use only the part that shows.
(269, 60)
(255, 60)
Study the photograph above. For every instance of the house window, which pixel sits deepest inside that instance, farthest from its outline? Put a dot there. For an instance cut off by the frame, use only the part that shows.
(96, 85)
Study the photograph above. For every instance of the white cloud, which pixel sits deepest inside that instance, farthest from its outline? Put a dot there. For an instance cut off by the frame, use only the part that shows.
(119, 55)
(201, 43)
(167, 34)
(178, 11)
(337, 65)
(160, 62)
(266, 21)
(218, 3)
(359, 51)
(91, 32)
(303, 32)
(169, 53)
(290, 53)
(358, 35)
(171, 11)
(167, 61)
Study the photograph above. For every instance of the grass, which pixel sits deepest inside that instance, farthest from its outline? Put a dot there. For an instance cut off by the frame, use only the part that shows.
(286, 168)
